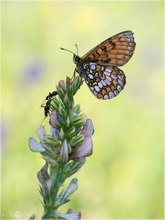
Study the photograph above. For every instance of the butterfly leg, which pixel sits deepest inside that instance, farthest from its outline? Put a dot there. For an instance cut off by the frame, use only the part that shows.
(74, 74)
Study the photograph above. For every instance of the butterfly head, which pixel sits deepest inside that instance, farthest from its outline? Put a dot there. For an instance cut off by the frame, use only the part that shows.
(76, 58)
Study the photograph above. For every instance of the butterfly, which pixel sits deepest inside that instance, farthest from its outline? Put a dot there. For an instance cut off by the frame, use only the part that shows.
(99, 66)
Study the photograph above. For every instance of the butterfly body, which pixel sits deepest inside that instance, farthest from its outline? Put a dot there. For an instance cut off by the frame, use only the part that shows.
(99, 66)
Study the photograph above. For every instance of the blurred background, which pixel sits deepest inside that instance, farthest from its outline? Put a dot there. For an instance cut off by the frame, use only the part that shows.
(124, 177)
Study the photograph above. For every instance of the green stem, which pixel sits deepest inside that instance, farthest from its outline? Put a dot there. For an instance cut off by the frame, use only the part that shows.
(49, 210)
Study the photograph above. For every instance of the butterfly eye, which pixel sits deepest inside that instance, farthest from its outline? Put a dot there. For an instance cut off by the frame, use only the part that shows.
(76, 59)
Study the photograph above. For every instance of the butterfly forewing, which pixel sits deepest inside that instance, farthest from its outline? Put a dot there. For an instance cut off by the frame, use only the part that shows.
(104, 82)
(115, 51)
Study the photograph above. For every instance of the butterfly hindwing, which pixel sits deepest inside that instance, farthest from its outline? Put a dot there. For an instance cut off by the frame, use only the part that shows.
(105, 82)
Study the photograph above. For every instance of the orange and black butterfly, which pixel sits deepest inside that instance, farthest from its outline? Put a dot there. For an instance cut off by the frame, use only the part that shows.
(99, 66)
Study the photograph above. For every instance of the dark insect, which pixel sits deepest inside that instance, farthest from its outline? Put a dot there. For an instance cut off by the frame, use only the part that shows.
(99, 66)
(47, 105)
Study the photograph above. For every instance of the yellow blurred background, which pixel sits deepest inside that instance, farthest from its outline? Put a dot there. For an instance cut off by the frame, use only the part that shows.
(124, 176)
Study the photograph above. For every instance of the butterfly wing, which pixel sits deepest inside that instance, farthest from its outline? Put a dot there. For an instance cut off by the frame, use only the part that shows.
(105, 82)
(115, 51)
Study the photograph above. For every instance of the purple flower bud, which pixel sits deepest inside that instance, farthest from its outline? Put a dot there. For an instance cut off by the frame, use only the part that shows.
(35, 146)
(84, 150)
(61, 84)
(45, 180)
(88, 128)
(66, 98)
(43, 173)
(64, 152)
(53, 118)
(70, 215)
(54, 132)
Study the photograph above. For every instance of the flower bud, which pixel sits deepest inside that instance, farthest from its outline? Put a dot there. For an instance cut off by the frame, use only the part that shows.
(78, 120)
(77, 109)
(67, 122)
(73, 167)
(43, 175)
(76, 141)
(64, 152)
(52, 161)
(88, 128)
(35, 146)
(54, 132)
(55, 103)
(61, 93)
(70, 132)
(65, 100)
(73, 185)
(52, 140)
(69, 215)
(62, 111)
(61, 134)
(53, 118)
(63, 197)
(61, 84)
(84, 150)
(45, 180)
(75, 85)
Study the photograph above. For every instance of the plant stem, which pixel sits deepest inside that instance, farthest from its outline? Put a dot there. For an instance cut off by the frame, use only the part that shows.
(49, 209)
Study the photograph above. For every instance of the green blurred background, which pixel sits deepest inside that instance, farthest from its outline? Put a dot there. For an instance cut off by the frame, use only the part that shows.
(124, 176)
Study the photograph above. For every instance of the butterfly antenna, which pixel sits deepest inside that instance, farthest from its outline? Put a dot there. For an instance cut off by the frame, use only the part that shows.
(66, 50)
(76, 48)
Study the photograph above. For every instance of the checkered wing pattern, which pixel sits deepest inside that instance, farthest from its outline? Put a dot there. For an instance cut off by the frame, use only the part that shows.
(105, 82)
(99, 67)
